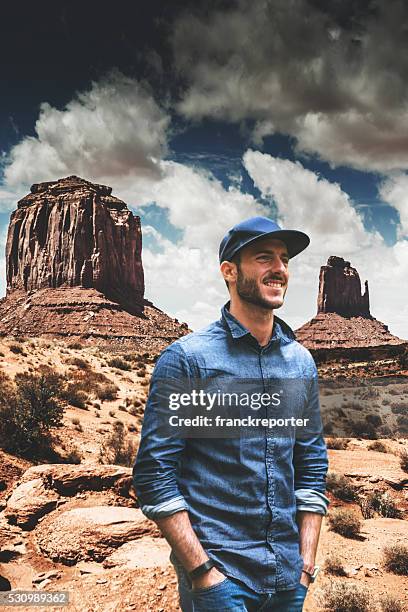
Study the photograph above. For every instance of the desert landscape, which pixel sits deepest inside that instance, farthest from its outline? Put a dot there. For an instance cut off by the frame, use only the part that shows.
(78, 343)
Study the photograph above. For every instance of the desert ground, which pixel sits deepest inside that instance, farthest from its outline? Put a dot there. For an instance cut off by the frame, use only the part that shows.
(70, 521)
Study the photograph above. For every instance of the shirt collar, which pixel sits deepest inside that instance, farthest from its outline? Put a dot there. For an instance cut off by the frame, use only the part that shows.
(281, 330)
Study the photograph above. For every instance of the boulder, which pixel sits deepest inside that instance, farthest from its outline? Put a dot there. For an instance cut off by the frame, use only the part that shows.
(93, 533)
(146, 552)
(68, 479)
(30, 501)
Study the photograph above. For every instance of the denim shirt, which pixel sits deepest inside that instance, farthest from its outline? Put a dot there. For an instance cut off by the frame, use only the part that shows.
(242, 494)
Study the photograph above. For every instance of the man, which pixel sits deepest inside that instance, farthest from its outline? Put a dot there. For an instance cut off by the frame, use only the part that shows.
(241, 514)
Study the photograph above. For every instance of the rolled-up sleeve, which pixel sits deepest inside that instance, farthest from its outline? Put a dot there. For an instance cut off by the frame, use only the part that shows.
(310, 457)
(156, 466)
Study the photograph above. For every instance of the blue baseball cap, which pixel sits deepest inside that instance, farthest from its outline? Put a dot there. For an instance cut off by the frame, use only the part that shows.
(252, 229)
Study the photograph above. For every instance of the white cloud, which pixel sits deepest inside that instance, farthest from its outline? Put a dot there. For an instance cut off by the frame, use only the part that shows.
(110, 132)
(394, 191)
(326, 214)
(296, 67)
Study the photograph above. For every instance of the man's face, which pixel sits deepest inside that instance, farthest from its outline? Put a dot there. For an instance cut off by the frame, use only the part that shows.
(262, 276)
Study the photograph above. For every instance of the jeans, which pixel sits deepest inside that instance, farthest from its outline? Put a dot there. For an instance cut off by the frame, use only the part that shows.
(231, 595)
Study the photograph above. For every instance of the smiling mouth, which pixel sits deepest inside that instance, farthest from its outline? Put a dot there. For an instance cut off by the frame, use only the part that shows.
(274, 283)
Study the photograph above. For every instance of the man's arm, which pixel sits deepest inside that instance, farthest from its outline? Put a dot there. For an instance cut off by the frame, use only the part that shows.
(180, 535)
(155, 473)
(310, 465)
(309, 524)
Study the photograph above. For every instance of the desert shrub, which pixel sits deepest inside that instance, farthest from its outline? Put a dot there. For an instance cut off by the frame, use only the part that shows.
(396, 559)
(112, 413)
(362, 429)
(75, 421)
(74, 396)
(383, 504)
(74, 456)
(107, 392)
(118, 449)
(82, 364)
(28, 411)
(339, 596)
(390, 603)
(378, 446)
(119, 363)
(17, 349)
(404, 460)
(369, 393)
(122, 408)
(334, 566)
(337, 443)
(398, 408)
(394, 391)
(75, 346)
(374, 419)
(402, 422)
(345, 522)
(341, 487)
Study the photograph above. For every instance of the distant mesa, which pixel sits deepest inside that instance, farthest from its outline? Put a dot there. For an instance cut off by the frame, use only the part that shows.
(74, 267)
(343, 326)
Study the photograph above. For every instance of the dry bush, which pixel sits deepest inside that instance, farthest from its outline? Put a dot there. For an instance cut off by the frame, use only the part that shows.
(374, 419)
(396, 559)
(362, 429)
(118, 449)
(337, 443)
(119, 363)
(383, 504)
(399, 408)
(76, 346)
(404, 460)
(75, 396)
(333, 565)
(74, 456)
(345, 522)
(390, 603)
(341, 487)
(107, 392)
(378, 446)
(82, 364)
(340, 596)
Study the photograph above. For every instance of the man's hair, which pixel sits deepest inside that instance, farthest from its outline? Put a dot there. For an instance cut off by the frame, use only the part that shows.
(236, 259)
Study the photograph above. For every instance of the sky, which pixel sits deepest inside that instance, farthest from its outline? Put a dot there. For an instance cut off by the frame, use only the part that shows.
(201, 114)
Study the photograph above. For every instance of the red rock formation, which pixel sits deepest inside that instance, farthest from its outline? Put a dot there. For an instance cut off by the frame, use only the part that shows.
(340, 290)
(74, 233)
(343, 327)
(74, 268)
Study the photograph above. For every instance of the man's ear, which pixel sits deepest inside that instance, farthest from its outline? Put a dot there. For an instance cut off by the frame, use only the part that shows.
(229, 271)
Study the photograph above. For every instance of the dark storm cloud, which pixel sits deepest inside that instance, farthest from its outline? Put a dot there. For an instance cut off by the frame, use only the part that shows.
(332, 74)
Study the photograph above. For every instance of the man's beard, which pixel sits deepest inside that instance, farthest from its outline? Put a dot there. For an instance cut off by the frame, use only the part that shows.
(248, 291)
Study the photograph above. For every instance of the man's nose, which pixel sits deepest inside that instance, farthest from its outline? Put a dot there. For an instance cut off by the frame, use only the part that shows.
(278, 266)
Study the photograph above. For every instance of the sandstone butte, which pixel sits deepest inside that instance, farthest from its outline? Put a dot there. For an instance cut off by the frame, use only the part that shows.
(343, 326)
(74, 268)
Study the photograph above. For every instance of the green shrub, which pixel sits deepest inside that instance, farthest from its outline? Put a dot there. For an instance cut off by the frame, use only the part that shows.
(345, 522)
(396, 559)
(28, 411)
(341, 487)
